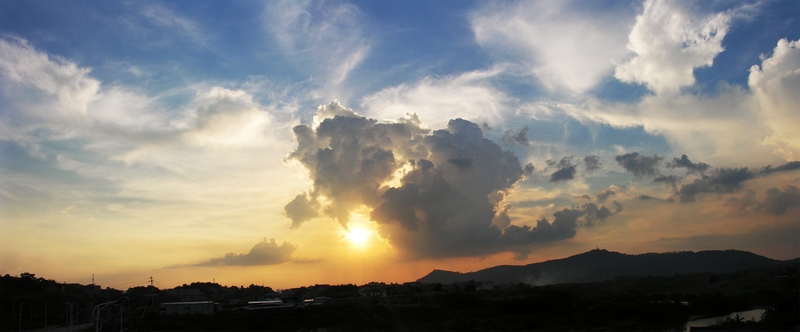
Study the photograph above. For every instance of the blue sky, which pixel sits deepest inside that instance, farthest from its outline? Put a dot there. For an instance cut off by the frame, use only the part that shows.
(168, 127)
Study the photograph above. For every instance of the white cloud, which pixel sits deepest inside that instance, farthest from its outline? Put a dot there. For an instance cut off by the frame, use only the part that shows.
(220, 148)
(165, 17)
(438, 100)
(775, 86)
(566, 47)
(730, 128)
(67, 209)
(670, 42)
(67, 87)
(720, 130)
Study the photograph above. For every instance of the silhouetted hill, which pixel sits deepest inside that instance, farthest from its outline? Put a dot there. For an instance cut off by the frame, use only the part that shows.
(600, 265)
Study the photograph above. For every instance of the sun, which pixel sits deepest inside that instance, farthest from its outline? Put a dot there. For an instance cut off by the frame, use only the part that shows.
(358, 236)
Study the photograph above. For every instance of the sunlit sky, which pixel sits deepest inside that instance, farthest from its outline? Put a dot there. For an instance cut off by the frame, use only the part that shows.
(294, 143)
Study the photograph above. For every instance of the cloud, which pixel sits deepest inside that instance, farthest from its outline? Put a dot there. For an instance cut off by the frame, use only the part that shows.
(349, 157)
(216, 118)
(165, 17)
(521, 138)
(722, 180)
(684, 162)
(639, 165)
(774, 85)
(262, 253)
(671, 180)
(326, 39)
(68, 209)
(779, 202)
(563, 174)
(591, 163)
(566, 170)
(432, 194)
(790, 166)
(302, 208)
(604, 194)
(437, 100)
(533, 33)
(732, 124)
(444, 210)
(65, 87)
(564, 226)
(670, 43)
(774, 201)
(727, 180)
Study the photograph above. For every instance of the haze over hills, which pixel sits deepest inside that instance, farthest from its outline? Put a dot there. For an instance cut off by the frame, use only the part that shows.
(600, 265)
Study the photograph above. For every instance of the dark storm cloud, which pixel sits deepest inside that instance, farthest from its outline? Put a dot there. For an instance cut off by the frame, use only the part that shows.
(462, 162)
(778, 202)
(670, 180)
(617, 207)
(566, 170)
(443, 209)
(596, 214)
(529, 169)
(263, 253)
(684, 162)
(446, 197)
(592, 163)
(790, 166)
(564, 226)
(604, 194)
(639, 165)
(565, 162)
(521, 137)
(727, 180)
(563, 174)
(742, 203)
(721, 181)
(774, 201)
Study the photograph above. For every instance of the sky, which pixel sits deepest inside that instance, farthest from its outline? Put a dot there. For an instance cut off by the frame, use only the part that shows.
(291, 143)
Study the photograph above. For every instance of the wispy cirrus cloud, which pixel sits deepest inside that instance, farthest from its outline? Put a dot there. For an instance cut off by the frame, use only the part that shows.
(566, 46)
(437, 100)
(326, 40)
(167, 18)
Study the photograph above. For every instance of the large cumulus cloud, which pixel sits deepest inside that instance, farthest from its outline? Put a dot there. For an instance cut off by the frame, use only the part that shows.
(669, 44)
(433, 193)
(775, 84)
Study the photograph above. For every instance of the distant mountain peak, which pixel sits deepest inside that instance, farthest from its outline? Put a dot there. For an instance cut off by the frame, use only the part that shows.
(601, 264)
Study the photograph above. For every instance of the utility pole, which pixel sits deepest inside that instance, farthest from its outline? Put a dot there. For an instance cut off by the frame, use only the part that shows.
(20, 316)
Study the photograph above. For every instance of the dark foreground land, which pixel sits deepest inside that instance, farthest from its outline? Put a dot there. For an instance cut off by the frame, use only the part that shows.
(625, 304)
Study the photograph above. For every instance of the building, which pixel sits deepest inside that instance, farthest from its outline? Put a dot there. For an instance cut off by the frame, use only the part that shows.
(190, 308)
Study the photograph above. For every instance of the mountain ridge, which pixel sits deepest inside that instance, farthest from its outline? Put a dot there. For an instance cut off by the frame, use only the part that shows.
(600, 265)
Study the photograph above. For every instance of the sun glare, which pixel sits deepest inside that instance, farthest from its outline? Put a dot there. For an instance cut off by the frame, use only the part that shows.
(358, 236)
